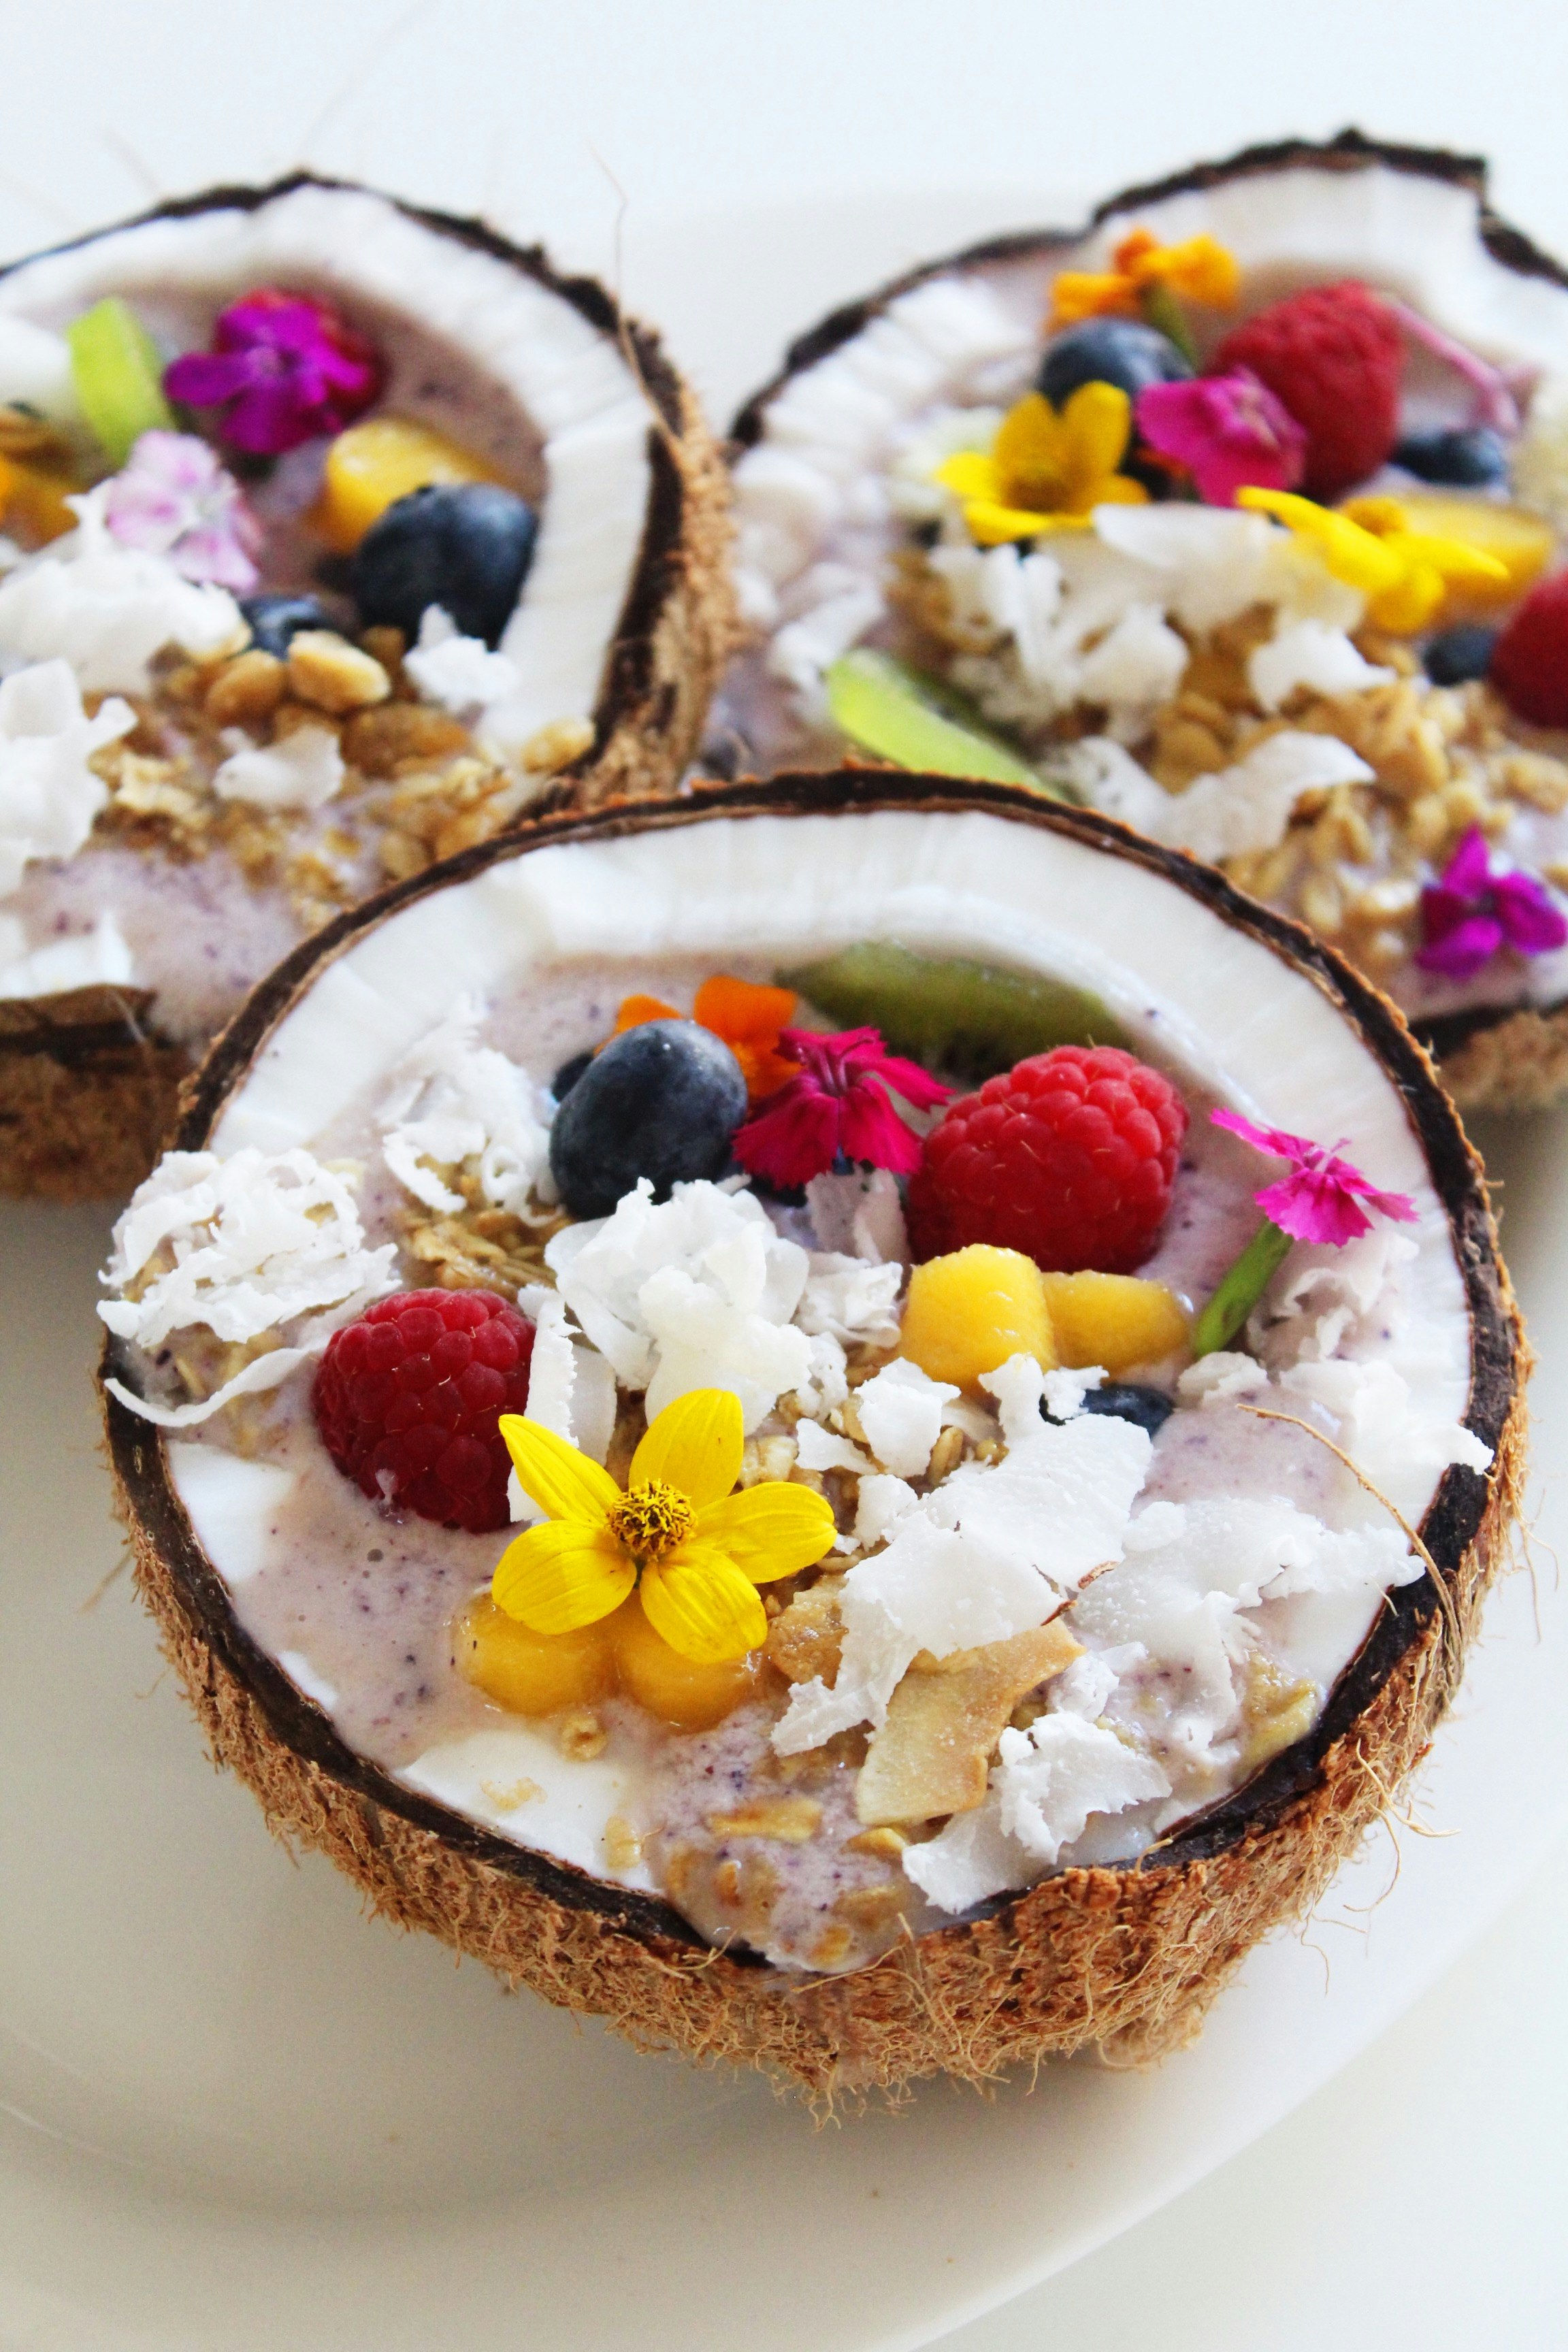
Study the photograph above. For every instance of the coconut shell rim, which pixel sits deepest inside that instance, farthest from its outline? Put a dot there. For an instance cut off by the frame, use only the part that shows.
(629, 660)
(1450, 1527)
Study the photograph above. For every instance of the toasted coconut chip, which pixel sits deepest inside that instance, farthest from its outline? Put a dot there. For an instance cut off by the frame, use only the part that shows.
(934, 1753)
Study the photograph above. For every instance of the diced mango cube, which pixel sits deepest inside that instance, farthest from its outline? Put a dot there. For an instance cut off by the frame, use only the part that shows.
(1115, 1320)
(971, 1310)
(533, 1673)
(35, 501)
(679, 1690)
(373, 465)
(1519, 542)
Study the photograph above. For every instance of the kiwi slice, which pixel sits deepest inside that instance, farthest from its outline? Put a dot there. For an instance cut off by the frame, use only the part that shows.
(888, 708)
(948, 1013)
(119, 376)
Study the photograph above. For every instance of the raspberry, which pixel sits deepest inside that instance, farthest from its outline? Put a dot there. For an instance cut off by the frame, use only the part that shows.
(1530, 661)
(407, 1400)
(1335, 355)
(1069, 1157)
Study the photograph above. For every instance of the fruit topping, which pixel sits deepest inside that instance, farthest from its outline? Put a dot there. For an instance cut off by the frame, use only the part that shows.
(749, 1018)
(1108, 350)
(1530, 661)
(1070, 1156)
(1115, 1321)
(174, 498)
(950, 1013)
(692, 1695)
(464, 546)
(970, 1311)
(662, 1100)
(1519, 542)
(1472, 455)
(373, 465)
(533, 1673)
(407, 1397)
(1149, 1409)
(1455, 655)
(838, 1106)
(116, 366)
(691, 1549)
(275, 620)
(902, 715)
(284, 368)
(1335, 355)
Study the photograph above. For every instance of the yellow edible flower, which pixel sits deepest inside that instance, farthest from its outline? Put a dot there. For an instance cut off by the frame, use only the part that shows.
(1200, 268)
(697, 1550)
(1404, 574)
(1047, 471)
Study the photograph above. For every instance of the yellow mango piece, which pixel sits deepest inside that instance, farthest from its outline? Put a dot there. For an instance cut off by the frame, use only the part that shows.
(532, 1673)
(34, 501)
(1521, 542)
(1115, 1320)
(373, 465)
(679, 1691)
(971, 1310)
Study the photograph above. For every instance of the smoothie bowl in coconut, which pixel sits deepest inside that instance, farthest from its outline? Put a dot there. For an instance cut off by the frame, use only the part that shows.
(1238, 515)
(857, 1423)
(338, 533)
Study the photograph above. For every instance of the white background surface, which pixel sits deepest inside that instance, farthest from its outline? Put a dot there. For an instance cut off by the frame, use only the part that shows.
(1418, 2196)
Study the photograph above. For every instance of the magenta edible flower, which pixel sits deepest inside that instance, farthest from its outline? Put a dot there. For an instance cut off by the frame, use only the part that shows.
(286, 369)
(1477, 909)
(836, 1105)
(1228, 431)
(1320, 1200)
(173, 498)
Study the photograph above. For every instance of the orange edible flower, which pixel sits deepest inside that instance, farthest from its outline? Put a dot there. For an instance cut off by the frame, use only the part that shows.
(745, 1013)
(1200, 268)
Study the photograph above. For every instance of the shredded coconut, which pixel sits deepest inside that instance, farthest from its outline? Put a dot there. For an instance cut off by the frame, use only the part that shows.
(48, 795)
(108, 609)
(304, 771)
(851, 1299)
(460, 673)
(1240, 808)
(1311, 654)
(900, 1412)
(454, 1100)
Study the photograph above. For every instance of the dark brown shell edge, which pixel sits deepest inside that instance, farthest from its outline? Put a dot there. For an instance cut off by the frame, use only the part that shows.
(1128, 1958)
(1526, 1068)
(84, 1106)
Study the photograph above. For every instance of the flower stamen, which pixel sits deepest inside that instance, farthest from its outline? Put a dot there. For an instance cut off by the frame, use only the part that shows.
(650, 1521)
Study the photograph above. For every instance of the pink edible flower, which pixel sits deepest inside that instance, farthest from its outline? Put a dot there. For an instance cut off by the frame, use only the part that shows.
(286, 368)
(836, 1105)
(1320, 1200)
(173, 498)
(1228, 431)
(1477, 909)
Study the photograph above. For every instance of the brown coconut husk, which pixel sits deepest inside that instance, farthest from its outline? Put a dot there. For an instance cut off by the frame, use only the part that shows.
(1127, 1958)
(1493, 1057)
(85, 1090)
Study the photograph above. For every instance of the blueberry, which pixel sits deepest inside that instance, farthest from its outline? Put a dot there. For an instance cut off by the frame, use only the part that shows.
(1110, 350)
(567, 1075)
(1469, 454)
(275, 620)
(661, 1101)
(1150, 1408)
(1460, 654)
(465, 546)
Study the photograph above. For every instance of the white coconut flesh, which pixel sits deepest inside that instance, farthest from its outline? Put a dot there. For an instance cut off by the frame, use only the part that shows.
(546, 942)
(475, 347)
(827, 496)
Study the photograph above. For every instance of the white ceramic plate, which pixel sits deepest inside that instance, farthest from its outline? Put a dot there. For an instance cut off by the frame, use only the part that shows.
(237, 2116)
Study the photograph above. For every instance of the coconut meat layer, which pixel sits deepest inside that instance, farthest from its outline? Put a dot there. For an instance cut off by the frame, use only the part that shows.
(827, 498)
(1223, 1521)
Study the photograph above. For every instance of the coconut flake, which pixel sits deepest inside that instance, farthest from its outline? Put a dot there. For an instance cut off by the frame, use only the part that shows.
(1059, 1499)
(1020, 1387)
(453, 1100)
(108, 609)
(820, 1449)
(1311, 654)
(460, 673)
(852, 1300)
(1248, 806)
(859, 1215)
(256, 1241)
(303, 770)
(881, 1502)
(899, 1410)
(1051, 1777)
(48, 795)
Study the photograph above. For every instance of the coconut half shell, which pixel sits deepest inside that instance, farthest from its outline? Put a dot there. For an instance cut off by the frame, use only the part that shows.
(86, 1077)
(1296, 212)
(1130, 1956)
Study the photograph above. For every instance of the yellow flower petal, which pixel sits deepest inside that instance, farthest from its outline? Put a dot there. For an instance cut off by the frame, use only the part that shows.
(773, 1529)
(1201, 267)
(969, 474)
(1353, 555)
(1412, 600)
(1032, 454)
(1098, 422)
(562, 1481)
(1080, 294)
(558, 1577)
(1119, 490)
(990, 525)
(703, 1606)
(695, 1446)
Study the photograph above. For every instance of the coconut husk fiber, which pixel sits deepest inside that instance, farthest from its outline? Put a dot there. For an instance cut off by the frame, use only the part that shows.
(87, 1082)
(1127, 1958)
